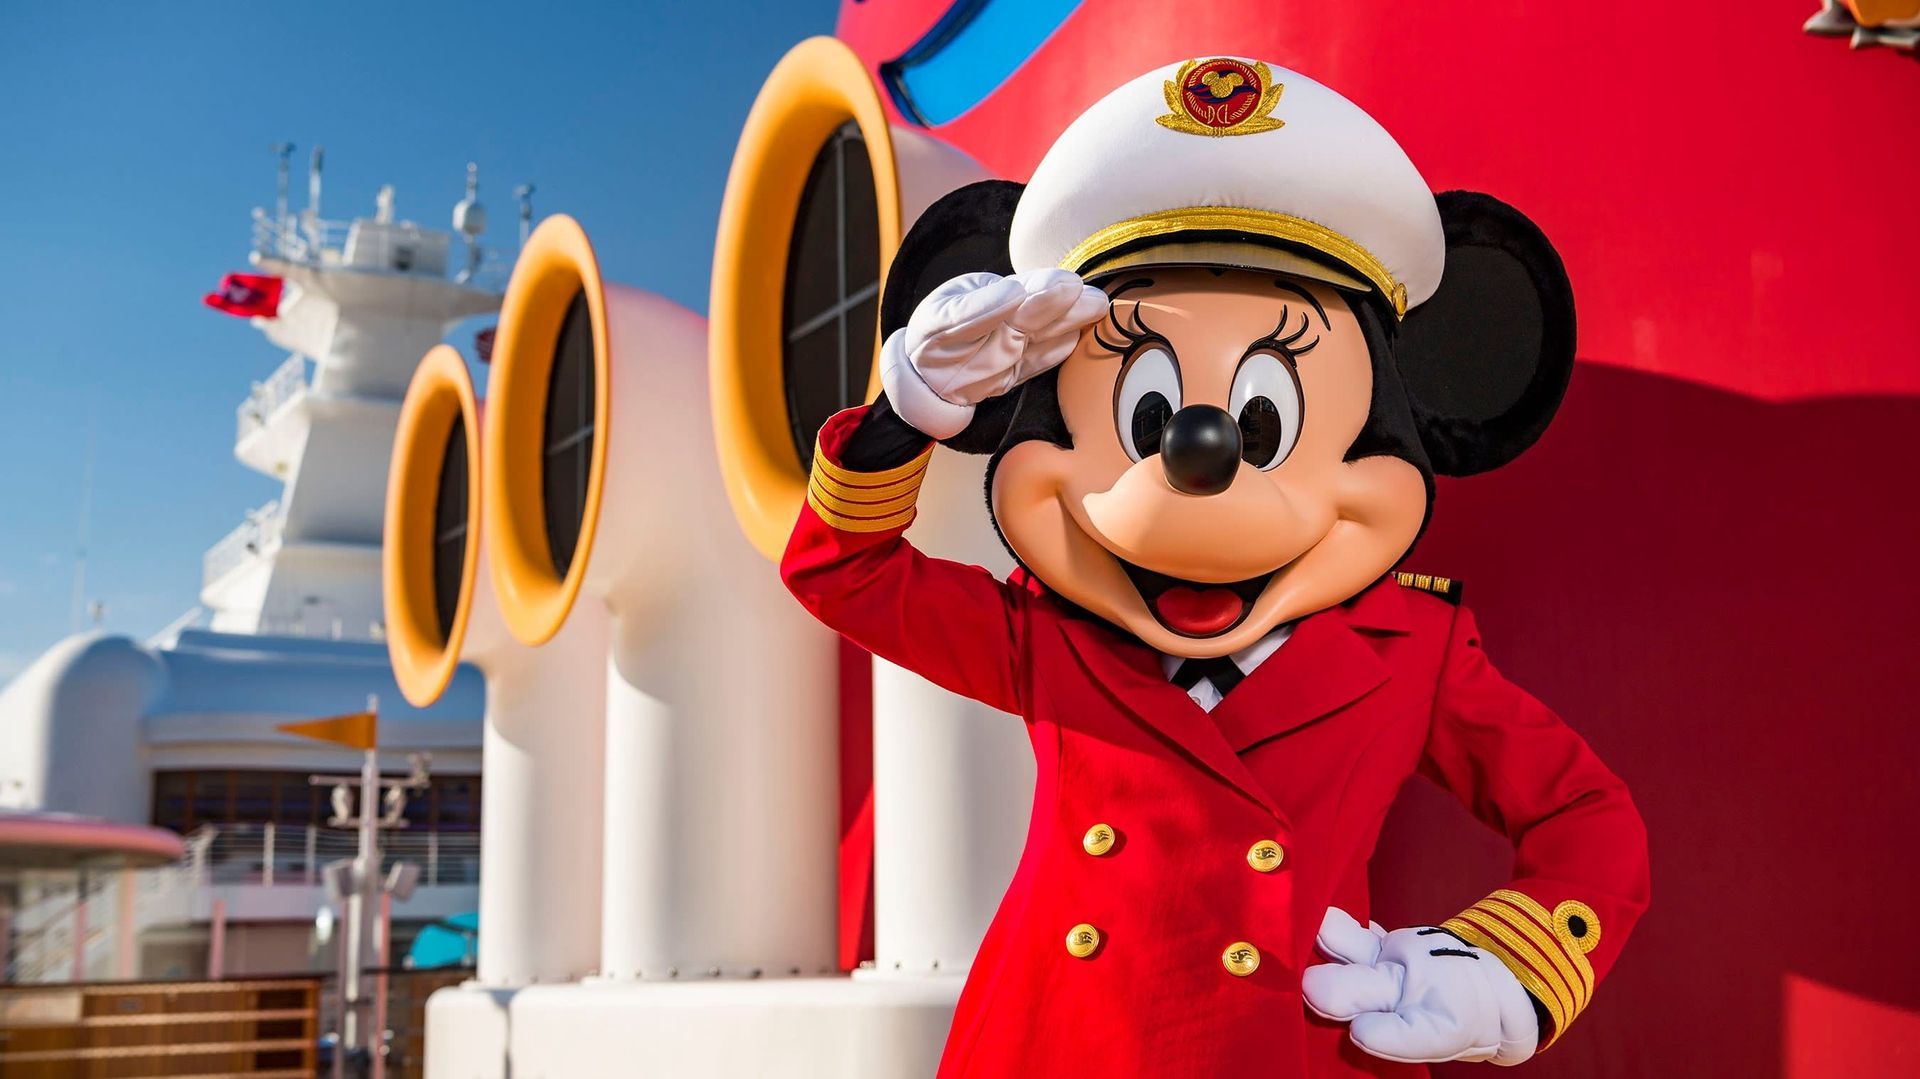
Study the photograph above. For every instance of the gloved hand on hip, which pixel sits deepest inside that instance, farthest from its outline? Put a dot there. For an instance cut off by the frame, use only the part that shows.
(1420, 995)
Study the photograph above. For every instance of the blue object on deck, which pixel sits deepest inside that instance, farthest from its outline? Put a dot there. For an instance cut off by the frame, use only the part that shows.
(449, 942)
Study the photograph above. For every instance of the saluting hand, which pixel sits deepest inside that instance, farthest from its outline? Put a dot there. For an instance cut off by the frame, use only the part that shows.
(1419, 996)
(979, 336)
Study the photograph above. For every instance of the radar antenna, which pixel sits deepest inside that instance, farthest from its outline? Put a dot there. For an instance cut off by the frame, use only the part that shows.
(470, 220)
(525, 194)
(310, 217)
(283, 151)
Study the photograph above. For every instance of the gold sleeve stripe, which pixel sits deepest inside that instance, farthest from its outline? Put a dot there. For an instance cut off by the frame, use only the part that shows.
(1579, 988)
(1539, 946)
(1533, 969)
(865, 501)
(844, 523)
(870, 494)
(1525, 903)
(852, 508)
(1485, 914)
(910, 470)
(1521, 910)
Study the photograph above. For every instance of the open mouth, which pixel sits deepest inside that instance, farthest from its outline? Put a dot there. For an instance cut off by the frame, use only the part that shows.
(1196, 608)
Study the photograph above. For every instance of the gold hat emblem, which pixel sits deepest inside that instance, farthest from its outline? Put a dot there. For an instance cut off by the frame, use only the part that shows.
(1221, 96)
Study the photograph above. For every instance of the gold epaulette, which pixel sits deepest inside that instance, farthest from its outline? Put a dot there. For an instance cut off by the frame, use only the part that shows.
(1446, 588)
(1546, 950)
(865, 501)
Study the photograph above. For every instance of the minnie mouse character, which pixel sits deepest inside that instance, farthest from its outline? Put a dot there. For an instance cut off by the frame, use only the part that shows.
(1215, 358)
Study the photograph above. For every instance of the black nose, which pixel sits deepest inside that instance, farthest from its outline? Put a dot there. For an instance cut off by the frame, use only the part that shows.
(1200, 450)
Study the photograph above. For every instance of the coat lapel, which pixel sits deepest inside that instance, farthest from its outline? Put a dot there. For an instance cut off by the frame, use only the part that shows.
(1325, 666)
(1129, 673)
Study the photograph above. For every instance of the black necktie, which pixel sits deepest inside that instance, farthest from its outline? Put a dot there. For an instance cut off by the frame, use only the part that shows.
(1220, 670)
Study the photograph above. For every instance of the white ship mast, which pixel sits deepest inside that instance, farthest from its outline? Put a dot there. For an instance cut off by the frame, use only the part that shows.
(180, 731)
(364, 300)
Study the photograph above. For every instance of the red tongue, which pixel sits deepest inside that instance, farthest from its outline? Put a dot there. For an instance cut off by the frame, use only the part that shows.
(1197, 612)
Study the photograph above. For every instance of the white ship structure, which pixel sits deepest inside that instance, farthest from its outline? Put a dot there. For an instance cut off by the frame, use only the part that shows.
(567, 593)
(178, 731)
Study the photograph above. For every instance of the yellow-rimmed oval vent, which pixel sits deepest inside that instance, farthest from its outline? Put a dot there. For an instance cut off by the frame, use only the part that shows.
(546, 442)
(431, 551)
(821, 191)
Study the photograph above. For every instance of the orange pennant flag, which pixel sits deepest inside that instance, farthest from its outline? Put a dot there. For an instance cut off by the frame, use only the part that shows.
(356, 730)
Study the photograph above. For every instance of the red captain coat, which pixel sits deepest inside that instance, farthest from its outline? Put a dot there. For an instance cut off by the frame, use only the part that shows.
(1308, 752)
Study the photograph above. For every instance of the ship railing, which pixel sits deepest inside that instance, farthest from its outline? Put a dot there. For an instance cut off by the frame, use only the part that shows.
(64, 924)
(270, 395)
(297, 854)
(313, 622)
(50, 921)
(255, 536)
(313, 241)
(492, 271)
(301, 238)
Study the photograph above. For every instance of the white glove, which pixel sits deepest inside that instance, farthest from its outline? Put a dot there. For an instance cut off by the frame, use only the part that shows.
(1421, 995)
(978, 336)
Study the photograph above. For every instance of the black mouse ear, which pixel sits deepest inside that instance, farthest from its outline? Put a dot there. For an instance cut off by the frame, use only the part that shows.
(1486, 360)
(965, 231)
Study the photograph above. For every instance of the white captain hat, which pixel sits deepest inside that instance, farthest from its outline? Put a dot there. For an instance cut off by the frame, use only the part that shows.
(1223, 161)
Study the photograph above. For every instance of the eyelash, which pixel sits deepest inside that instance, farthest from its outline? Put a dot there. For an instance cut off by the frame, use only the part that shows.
(1133, 338)
(1279, 340)
(1286, 344)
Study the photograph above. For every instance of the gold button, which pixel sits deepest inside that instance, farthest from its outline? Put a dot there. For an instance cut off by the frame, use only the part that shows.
(1266, 856)
(1240, 959)
(1098, 840)
(1082, 939)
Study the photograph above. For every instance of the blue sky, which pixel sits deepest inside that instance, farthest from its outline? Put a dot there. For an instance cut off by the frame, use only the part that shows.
(133, 143)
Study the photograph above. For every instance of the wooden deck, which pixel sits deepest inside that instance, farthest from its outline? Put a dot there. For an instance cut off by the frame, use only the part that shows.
(123, 1030)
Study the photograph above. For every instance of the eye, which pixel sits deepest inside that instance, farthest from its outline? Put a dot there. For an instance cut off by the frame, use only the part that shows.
(1266, 401)
(1147, 397)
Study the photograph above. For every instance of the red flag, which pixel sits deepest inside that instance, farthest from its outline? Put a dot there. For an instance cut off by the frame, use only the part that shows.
(247, 295)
